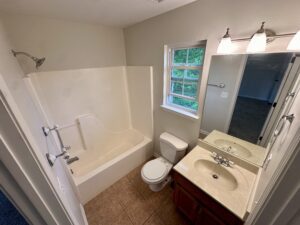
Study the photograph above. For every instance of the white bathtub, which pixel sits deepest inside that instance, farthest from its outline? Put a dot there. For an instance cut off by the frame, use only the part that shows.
(98, 168)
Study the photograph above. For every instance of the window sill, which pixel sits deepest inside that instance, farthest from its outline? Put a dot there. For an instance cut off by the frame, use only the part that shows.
(180, 112)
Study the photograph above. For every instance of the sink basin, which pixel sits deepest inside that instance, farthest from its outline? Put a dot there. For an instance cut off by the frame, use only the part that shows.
(233, 148)
(216, 174)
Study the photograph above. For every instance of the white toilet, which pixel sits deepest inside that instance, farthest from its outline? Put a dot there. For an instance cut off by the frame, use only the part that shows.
(155, 172)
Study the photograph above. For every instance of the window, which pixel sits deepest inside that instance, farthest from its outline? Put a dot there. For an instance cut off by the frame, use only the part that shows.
(183, 70)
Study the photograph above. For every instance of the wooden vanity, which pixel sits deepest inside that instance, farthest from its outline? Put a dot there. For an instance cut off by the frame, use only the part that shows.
(199, 207)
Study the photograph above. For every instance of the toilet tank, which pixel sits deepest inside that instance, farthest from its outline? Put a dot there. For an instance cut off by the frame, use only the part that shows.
(172, 148)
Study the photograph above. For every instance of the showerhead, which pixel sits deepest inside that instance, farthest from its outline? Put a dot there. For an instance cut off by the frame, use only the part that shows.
(38, 61)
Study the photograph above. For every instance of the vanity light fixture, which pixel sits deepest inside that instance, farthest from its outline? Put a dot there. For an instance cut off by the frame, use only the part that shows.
(258, 41)
(295, 42)
(225, 46)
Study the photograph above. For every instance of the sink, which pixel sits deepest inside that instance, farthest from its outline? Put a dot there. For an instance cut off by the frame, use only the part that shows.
(216, 174)
(233, 148)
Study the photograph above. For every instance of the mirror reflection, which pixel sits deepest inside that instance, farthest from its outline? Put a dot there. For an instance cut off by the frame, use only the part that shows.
(244, 96)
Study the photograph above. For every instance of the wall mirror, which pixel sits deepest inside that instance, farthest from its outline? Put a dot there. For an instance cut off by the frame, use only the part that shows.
(244, 98)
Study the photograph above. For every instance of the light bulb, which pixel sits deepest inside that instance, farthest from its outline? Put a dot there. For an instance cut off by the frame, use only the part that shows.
(258, 43)
(295, 42)
(225, 46)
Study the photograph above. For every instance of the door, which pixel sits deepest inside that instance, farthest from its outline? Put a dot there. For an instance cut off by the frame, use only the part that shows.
(205, 217)
(185, 203)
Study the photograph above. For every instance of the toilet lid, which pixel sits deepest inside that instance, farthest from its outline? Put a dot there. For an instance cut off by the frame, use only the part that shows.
(154, 169)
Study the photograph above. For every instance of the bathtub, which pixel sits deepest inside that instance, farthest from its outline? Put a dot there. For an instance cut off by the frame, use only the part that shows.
(98, 168)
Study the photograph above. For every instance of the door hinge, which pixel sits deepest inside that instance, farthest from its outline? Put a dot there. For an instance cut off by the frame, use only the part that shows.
(260, 138)
(274, 104)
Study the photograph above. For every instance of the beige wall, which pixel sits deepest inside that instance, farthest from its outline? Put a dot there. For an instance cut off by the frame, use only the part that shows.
(66, 45)
(205, 19)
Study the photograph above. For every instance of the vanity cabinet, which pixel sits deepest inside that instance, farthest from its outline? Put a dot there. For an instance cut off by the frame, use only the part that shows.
(198, 207)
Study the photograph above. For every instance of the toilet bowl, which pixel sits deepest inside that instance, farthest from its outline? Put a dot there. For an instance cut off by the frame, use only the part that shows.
(156, 172)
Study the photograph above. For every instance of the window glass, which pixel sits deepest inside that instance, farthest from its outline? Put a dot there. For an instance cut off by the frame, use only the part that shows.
(185, 68)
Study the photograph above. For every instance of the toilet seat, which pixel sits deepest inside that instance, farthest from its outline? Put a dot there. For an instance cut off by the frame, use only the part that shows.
(155, 170)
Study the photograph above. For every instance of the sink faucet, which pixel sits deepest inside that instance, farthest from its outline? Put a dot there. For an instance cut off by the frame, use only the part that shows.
(222, 160)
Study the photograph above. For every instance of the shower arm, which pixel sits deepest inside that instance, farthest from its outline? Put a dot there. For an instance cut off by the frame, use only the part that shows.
(24, 53)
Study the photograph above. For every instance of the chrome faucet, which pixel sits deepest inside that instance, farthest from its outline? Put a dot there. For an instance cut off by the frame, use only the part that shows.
(222, 160)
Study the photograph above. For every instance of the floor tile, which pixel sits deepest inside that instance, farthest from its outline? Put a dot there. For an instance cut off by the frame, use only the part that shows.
(126, 192)
(154, 220)
(139, 211)
(104, 209)
(130, 202)
(123, 219)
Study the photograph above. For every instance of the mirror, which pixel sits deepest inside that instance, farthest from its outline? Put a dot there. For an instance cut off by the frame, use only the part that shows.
(244, 98)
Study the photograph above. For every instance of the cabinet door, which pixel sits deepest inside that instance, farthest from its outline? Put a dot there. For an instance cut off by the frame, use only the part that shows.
(205, 217)
(186, 203)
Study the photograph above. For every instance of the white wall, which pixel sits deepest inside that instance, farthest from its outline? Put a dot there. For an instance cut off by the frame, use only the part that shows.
(12, 74)
(66, 45)
(139, 81)
(67, 95)
(219, 102)
(205, 19)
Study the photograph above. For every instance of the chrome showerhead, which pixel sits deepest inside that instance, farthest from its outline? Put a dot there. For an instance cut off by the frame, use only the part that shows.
(38, 61)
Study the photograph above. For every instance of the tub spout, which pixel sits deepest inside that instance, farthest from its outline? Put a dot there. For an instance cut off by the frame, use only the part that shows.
(71, 160)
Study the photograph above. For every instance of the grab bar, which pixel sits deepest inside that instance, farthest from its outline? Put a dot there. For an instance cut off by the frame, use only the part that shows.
(46, 131)
(220, 85)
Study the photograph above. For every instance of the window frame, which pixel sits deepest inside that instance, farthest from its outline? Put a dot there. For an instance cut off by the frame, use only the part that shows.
(168, 66)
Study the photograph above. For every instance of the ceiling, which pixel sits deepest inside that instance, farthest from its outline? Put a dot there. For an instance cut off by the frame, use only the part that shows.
(118, 13)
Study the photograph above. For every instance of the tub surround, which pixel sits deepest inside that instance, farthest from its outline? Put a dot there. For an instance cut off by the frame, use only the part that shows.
(233, 186)
(242, 149)
(97, 111)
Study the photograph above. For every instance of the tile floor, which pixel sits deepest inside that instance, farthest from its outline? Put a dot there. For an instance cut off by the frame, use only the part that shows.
(130, 202)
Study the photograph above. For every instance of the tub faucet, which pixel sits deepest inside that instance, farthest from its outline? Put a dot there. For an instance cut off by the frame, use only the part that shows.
(71, 160)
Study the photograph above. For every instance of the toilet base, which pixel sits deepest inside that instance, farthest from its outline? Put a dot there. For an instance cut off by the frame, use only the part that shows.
(158, 187)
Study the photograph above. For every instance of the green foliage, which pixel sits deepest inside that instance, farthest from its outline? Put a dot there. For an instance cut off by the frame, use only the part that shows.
(176, 88)
(189, 56)
(185, 103)
(190, 90)
(185, 81)
(176, 73)
(180, 56)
